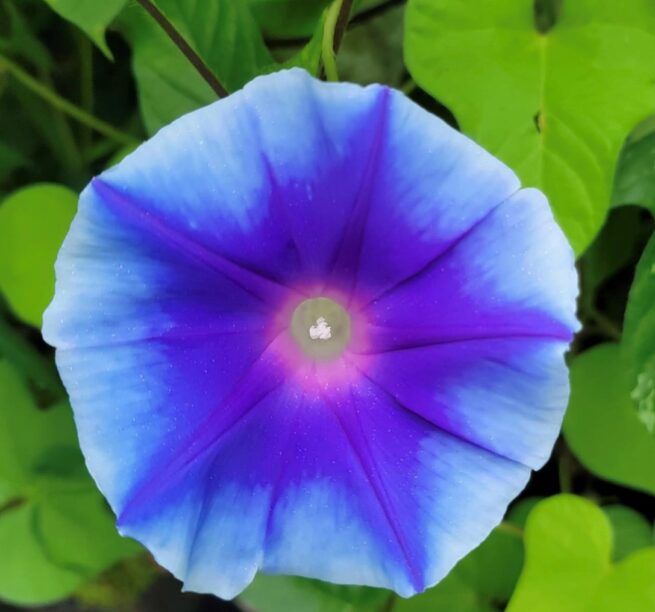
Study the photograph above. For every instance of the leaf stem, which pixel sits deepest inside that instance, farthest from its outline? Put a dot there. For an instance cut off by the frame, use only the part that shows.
(12, 504)
(510, 529)
(63, 105)
(336, 22)
(408, 86)
(86, 83)
(605, 324)
(62, 142)
(564, 473)
(196, 61)
(342, 23)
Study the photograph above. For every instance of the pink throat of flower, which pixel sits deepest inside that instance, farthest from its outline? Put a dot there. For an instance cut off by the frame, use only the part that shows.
(323, 340)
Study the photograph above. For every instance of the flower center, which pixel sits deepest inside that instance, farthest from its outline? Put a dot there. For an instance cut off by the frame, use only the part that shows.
(321, 327)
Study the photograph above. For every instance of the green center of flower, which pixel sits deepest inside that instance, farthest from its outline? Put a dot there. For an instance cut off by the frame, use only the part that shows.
(321, 327)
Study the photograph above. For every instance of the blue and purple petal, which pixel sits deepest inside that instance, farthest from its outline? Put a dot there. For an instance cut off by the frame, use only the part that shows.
(219, 444)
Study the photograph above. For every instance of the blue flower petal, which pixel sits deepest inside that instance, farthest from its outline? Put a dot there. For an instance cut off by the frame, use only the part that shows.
(265, 177)
(403, 502)
(431, 185)
(218, 443)
(475, 340)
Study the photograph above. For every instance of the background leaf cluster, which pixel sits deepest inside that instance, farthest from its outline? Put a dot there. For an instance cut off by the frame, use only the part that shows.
(561, 90)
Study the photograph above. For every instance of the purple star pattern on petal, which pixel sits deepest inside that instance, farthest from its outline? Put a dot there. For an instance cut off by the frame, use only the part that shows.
(311, 329)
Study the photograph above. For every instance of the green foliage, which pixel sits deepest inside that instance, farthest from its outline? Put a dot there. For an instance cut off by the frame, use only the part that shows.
(372, 52)
(635, 173)
(287, 18)
(615, 248)
(169, 86)
(630, 586)
(453, 593)
(222, 32)
(631, 530)
(484, 577)
(309, 56)
(91, 16)
(555, 106)
(283, 593)
(568, 567)
(55, 529)
(491, 571)
(19, 40)
(601, 425)
(553, 87)
(33, 223)
(639, 338)
(120, 587)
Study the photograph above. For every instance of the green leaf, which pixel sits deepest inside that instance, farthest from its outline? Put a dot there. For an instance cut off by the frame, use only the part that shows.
(55, 528)
(122, 587)
(568, 544)
(27, 577)
(630, 586)
(452, 593)
(310, 56)
(635, 174)
(20, 41)
(91, 16)
(222, 32)
(10, 160)
(28, 123)
(556, 107)
(485, 577)
(493, 568)
(287, 18)
(632, 531)
(372, 52)
(487, 574)
(283, 593)
(638, 343)
(168, 86)
(33, 223)
(27, 434)
(616, 247)
(601, 425)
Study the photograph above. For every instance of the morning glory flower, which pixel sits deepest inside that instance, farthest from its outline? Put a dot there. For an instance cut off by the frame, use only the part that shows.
(311, 329)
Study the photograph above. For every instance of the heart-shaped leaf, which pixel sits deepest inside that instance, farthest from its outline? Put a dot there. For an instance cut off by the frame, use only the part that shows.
(557, 105)
(638, 342)
(91, 16)
(33, 223)
(55, 528)
(601, 425)
(568, 568)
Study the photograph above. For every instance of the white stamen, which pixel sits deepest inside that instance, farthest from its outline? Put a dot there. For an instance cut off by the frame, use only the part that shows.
(320, 331)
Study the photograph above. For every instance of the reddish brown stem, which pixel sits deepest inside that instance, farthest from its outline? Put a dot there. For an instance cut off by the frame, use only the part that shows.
(179, 41)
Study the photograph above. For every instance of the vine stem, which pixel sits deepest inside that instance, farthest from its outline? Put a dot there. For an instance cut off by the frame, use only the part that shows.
(12, 504)
(70, 109)
(196, 61)
(506, 527)
(605, 324)
(336, 22)
(408, 86)
(86, 82)
(342, 23)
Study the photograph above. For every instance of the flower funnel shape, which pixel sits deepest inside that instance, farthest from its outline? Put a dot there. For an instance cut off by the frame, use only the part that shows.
(311, 329)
